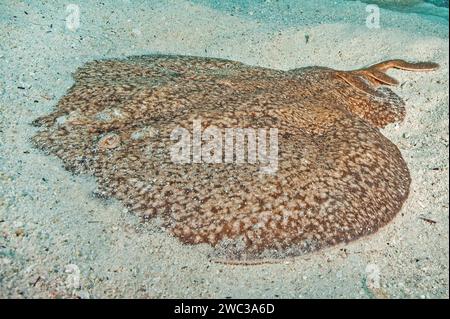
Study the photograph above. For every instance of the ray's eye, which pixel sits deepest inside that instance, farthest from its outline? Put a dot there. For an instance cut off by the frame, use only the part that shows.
(109, 141)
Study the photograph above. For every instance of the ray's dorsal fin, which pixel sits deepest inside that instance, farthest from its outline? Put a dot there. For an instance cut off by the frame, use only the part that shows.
(378, 105)
(381, 77)
(376, 75)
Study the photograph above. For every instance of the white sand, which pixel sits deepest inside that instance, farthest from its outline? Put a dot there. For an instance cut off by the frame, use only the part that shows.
(49, 218)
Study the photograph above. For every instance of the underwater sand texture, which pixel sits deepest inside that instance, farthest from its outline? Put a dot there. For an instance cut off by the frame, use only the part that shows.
(338, 179)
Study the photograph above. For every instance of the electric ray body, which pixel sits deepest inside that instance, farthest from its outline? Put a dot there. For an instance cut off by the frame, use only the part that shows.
(337, 179)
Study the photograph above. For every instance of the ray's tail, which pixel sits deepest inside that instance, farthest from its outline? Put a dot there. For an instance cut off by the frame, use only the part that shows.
(376, 75)
(379, 106)
(404, 65)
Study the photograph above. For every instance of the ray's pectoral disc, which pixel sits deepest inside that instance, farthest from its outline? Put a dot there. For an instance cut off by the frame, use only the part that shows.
(258, 163)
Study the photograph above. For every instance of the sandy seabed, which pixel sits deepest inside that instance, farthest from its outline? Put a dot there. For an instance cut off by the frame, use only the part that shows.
(53, 231)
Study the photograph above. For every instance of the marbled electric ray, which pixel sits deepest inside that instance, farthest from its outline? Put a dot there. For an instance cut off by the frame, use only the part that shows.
(337, 179)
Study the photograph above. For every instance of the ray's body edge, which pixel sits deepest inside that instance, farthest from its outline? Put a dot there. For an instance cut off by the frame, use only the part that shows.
(364, 83)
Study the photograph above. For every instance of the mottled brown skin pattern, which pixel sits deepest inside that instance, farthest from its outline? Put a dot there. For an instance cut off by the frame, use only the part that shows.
(338, 178)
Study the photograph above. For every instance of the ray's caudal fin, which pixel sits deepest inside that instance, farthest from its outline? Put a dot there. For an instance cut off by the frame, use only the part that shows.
(379, 106)
(376, 75)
